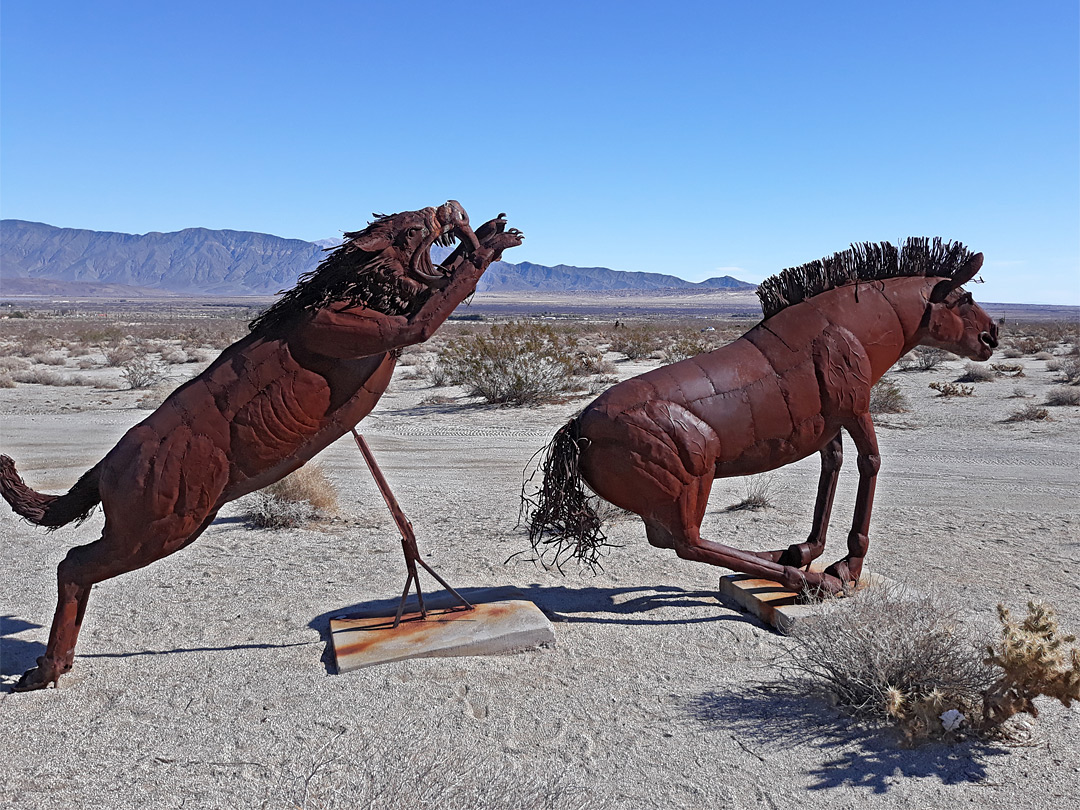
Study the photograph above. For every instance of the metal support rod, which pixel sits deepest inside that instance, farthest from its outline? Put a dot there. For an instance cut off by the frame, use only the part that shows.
(408, 537)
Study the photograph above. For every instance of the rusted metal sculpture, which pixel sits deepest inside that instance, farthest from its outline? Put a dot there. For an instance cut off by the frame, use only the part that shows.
(784, 390)
(313, 365)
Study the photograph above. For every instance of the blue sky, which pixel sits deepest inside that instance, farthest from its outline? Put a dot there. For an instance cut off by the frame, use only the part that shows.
(689, 138)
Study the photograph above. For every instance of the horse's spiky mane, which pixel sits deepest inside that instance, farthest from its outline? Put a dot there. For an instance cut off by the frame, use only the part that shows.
(348, 274)
(867, 261)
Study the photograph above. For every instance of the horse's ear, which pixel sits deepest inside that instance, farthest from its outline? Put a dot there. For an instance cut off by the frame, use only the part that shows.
(375, 240)
(959, 279)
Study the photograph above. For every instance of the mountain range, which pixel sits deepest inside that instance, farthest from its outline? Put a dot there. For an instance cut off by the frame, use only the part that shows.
(200, 261)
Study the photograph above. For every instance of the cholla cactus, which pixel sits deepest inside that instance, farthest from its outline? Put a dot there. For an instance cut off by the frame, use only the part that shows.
(1035, 661)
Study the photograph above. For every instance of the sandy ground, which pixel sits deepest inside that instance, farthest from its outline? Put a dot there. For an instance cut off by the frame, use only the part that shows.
(205, 680)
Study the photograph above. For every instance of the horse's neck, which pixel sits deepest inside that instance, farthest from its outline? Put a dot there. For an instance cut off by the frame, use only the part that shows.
(886, 316)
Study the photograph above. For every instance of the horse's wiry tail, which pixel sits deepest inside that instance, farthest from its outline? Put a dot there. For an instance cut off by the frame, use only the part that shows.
(49, 510)
(561, 515)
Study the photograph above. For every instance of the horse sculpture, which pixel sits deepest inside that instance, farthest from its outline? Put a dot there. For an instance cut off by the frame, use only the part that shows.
(313, 365)
(653, 444)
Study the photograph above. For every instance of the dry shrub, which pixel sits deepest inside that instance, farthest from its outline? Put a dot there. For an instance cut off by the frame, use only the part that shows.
(1012, 353)
(886, 397)
(5, 380)
(515, 364)
(1069, 369)
(300, 498)
(1029, 413)
(923, 358)
(175, 357)
(1019, 393)
(1063, 395)
(143, 372)
(636, 342)
(12, 364)
(683, 345)
(1008, 369)
(976, 373)
(949, 389)
(119, 356)
(907, 659)
(892, 655)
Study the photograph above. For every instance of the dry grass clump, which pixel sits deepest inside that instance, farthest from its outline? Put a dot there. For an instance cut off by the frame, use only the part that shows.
(152, 399)
(907, 659)
(1029, 413)
(5, 380)
(760, 491)
(1063, 395)
(43, 376)
(302, 497)
(976, 373)
(12, 364)
(886, 397)
(1013, 353)
(515, 364)
(50, 359)
(948, 389)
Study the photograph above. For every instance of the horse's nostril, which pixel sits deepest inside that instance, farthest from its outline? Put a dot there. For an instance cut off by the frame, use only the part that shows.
(988, 339)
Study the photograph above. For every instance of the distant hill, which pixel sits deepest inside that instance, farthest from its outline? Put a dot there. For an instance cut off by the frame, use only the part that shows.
(200, 261)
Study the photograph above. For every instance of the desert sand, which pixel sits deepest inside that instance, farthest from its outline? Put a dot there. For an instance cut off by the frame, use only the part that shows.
(205, 680)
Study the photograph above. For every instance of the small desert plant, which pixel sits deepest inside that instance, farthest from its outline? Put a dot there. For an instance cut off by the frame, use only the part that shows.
(636, 342)
(1029, 413)
(760, 490)
(1034, 661)
(1063, 395)
(516, 364)
(12, 364)
(5, 380)
(976, 373)
(297, 499)
(949, 389)
(143, 372)
(1012, 353)
(886, 397)
(1019, 393)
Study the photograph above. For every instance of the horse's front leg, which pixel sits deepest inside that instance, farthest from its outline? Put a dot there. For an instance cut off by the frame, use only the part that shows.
(801, 555)
(862, 433)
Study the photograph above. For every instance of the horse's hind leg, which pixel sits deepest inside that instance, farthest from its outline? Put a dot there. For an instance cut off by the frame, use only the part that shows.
(78, 572)
(678, 526)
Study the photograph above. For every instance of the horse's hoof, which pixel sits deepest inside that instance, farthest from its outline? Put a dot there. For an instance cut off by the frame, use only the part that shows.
(844, 571)
(37, 678)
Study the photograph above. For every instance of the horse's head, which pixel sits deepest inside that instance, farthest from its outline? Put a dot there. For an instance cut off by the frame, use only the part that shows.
(403, 241)
(954, 321)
